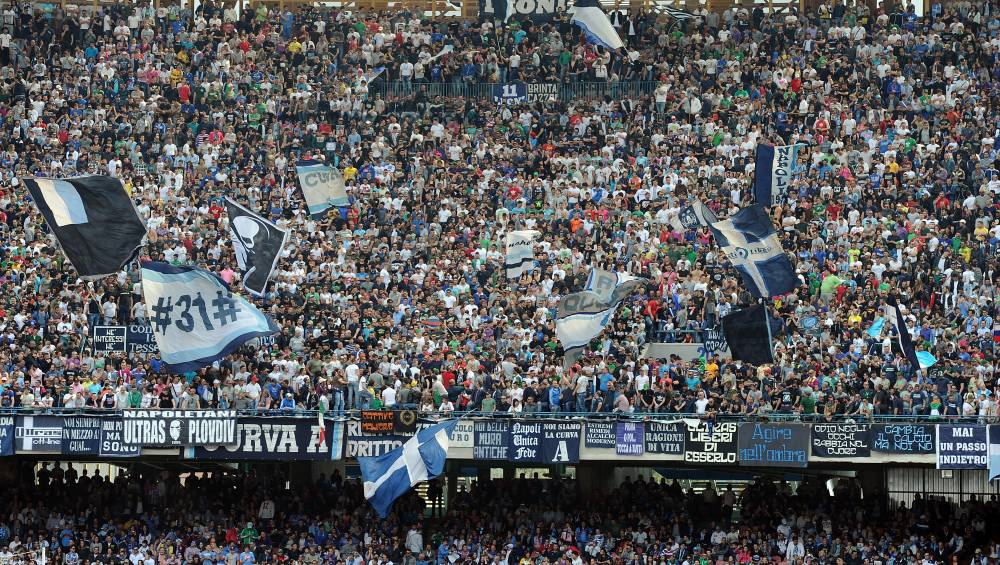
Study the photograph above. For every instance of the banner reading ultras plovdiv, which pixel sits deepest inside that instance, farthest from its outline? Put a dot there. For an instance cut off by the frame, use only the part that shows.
(179, 427)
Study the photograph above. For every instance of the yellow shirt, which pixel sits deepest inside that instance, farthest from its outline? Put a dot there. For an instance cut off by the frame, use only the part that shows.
(350, 172)
(294, 46)
(711, 370)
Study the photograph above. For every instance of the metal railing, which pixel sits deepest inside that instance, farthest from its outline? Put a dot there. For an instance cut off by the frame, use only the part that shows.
(629, 416)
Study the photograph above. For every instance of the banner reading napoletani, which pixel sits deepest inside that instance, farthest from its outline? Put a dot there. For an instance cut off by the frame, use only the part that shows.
(961, 446)
(841, 440)
(166, 428)
(665, 437)
(903, 438)
(283, 439)
(711, 444)
(774, 445)
(490, 440)
(600, 435)
(197, 320)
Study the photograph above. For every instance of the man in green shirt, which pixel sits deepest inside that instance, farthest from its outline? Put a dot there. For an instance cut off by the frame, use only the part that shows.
(249, 536)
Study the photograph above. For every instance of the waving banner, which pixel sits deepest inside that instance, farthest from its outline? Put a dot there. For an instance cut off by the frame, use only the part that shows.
(195, 317)
(257, 242)
(520, 252)
(322, 187)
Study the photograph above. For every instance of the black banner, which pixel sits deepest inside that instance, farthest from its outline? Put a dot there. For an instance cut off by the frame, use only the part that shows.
(536, 10)
(711, 444)
(903, 438)
(377, 421)
(113, 439)
(525, 442)
(841, 440)
(665, 437)
(81, 435)
(168, 428)
(277, 439)
(361, 444)
(38, 434)
(600, 435)
(6, 436)
(774, 445)
(404, 421)
(962, 446)
(561, 442)
(135, 338)
(489, 440)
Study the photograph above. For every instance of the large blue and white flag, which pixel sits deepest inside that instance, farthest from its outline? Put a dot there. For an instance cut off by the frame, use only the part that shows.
(749, 240)
(903, 340)
(322, 187)
(774, 169)
(520, 252)
(589, 17)
(196, 320)
(582, 316)
(389, 476)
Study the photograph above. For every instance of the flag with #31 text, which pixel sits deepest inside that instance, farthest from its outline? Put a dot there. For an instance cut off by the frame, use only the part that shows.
(196, 319)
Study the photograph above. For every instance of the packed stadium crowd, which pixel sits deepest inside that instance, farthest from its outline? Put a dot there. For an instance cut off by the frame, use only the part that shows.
(245, 518)
(400, 299)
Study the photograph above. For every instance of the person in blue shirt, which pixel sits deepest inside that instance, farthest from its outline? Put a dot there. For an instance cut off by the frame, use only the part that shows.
(247, 557)
(287, 403)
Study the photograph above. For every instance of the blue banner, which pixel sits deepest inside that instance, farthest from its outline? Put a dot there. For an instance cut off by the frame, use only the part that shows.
(113, 439)
(774, 170)
(489, 440)
(561, 442)
(903, 438)
(630, 438)
(81, 435)
(665, 437)
(525, 442)
(774, 445)
(961, 447)
(6, 435)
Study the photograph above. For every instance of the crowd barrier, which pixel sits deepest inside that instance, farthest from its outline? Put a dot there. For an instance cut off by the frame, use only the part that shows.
(567, 439)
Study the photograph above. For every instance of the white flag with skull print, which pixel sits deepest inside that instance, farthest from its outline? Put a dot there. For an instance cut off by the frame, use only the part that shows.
(258, 244)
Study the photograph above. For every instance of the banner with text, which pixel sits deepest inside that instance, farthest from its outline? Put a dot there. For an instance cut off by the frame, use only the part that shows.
(280, 439)
(630, 438)
(665, 437)
(113, 439)
(774, 445)
(377, 422)
(561, 442)
(362, 444)
(81, 435)
(489, 442)
(841, 440)
(711, 444)
(525, 442)
(903, 438)
(961, 446)
(600, 435)
(38, 434)
(6, 436)
(166, 428)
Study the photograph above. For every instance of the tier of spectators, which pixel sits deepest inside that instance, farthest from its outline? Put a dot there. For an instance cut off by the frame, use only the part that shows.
(401, 298)
(159, 517)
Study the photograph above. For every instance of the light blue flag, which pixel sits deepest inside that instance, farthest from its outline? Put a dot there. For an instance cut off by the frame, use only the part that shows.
(993, 459)
(926, 359)
(876, 328)
(196, 320)
(390, 476)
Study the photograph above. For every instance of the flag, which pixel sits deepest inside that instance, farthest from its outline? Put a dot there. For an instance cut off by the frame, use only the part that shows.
(520, 252)
(748, 333)
(322, 187)
(695, 215)
(993, 458)
(749, 240)
(444, 51)
(373, 74)
(422, 458)
(996, 331)
(773, 171)
(588, 16)
(903, 339)
(321, 421)
(195, 319)
(94, 220)
(581, 317)
(612, 286)
(925, 359)
(257, 242)
(876, 328)
(679, 14)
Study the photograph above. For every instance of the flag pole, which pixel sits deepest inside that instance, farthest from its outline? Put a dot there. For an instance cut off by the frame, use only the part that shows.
(767, 323)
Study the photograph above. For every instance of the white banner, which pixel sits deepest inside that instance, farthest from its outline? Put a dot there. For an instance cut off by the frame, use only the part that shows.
(195, 318)
(520, 252)
(322, 187)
